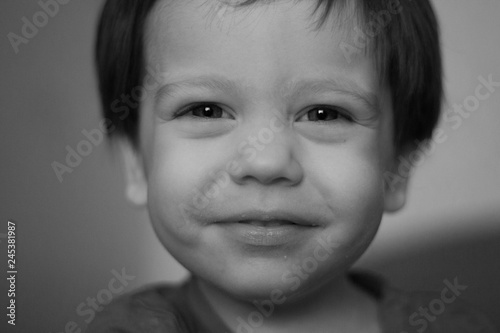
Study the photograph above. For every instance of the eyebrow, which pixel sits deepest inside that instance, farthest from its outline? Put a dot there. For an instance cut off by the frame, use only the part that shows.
(204, 82)
(341, 85)
(289, 90)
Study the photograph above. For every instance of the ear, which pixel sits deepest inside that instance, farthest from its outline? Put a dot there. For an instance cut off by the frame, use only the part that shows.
(136, 187)
(396, 184)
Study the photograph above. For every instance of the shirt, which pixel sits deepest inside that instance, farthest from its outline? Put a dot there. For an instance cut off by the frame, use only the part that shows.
(183, 309)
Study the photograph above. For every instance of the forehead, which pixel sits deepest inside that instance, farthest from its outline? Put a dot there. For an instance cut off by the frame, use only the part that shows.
(269, 43)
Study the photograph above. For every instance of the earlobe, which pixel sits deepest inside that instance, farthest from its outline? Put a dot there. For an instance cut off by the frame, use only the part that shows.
(395, 188)
(395, 199)
(136, 187)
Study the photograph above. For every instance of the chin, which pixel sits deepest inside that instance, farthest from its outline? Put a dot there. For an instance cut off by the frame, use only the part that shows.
(278, 282)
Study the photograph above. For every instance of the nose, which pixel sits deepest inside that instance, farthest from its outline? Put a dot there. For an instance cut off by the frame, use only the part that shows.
(268, 156)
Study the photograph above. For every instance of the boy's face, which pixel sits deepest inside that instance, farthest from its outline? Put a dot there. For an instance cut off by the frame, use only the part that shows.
(264, 150)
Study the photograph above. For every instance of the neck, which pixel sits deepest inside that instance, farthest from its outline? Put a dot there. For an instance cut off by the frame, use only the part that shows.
(335, 306)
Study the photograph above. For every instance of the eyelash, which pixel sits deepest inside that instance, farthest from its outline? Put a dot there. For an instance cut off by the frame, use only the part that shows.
(340, 113)
(186, 111)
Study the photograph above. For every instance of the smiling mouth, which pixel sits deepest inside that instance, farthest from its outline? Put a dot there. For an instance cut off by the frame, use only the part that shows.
(265, 233)
(268, 224)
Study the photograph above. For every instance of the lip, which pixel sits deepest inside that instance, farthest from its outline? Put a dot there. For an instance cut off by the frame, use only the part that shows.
(265, 228)
(268, 216)
(264, 235)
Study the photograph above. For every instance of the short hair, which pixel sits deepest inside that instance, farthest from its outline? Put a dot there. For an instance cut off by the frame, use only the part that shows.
(406, 52)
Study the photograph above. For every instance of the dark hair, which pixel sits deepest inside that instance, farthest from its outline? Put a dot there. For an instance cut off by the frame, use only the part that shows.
(406, 51)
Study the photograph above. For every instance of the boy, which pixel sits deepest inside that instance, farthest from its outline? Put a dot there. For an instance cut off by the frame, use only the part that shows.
(265, 149)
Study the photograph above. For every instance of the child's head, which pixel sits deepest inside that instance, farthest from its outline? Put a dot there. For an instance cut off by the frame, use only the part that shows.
(260, 144)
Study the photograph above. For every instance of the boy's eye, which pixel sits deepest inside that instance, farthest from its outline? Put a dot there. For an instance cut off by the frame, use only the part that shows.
(206, 110)
(324, 114)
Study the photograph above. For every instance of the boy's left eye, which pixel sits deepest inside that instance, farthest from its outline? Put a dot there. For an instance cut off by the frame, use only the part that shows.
(206, 110)
(324, 113)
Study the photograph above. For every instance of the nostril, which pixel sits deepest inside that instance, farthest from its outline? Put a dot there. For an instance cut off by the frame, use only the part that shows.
(270, 162)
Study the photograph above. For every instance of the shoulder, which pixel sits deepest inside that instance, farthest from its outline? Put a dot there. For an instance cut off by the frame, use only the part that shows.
(150, 309)
(424, 311)
(437, 312)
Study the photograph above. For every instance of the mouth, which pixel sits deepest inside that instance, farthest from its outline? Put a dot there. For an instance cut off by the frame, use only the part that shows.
(266, 229)
(275, 218)
(267, 224)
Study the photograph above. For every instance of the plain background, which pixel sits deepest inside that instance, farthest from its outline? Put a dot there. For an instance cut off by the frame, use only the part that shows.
(71, 235)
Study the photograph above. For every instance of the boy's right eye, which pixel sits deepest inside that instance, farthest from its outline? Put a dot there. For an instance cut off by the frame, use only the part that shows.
(204, 110)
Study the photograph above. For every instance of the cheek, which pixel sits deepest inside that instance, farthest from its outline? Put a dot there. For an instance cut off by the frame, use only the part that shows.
(349, 179)
(361, 184)
(350, 176)
(180, 180)
(357, 203)
(171, 181)
(180, 171)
